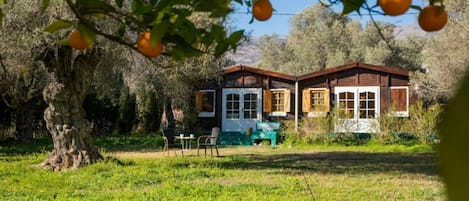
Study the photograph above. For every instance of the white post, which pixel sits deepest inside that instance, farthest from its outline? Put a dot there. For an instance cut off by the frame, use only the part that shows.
(296, 106)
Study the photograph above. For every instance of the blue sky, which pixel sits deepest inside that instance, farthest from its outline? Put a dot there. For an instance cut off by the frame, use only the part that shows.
(279, 23)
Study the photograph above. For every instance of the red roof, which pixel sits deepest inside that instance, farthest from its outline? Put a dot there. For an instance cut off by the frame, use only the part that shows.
(390, 70)
(237, 68)
(358, 65)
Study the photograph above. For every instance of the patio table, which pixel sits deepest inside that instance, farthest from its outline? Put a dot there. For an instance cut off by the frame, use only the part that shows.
(186, 144)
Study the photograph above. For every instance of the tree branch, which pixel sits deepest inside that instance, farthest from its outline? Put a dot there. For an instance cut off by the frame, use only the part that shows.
(85, 22)
(377, 26)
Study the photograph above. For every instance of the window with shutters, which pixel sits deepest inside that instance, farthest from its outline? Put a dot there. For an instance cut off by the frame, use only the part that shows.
(400, 101)
(316, 101)
(277, 102)
(205, 103)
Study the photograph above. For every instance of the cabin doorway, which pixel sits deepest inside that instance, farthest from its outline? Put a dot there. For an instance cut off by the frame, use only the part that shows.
(241, 108)
(358, 109)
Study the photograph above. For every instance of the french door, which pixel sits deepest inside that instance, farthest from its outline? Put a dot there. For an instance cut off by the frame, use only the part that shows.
(358, 109)
(241, 108)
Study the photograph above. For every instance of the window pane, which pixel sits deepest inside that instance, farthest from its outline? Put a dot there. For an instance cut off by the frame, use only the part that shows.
(207, 102)
(371, 113)
(363, 114)
(342, 95)
(350, 104)
(371, 95)
(362, 104)
(371, 104)
(362, 95)
(350, 95)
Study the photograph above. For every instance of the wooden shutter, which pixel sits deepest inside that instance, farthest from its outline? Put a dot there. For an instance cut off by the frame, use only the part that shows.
(199, 97)
(287, 101)
(306, 100)
(327, 100)
(267, 101)
(399, 99)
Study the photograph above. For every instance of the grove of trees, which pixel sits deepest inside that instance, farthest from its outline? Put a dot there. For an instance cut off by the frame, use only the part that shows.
(321, 38)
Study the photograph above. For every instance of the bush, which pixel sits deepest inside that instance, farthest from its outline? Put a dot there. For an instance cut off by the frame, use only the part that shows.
(420, 126)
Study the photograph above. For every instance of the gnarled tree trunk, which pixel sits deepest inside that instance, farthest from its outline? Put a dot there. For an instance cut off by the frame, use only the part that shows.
(65, 116)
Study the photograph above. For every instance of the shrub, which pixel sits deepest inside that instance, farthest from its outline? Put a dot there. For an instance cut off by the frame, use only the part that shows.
(420, 126)
(423, 121)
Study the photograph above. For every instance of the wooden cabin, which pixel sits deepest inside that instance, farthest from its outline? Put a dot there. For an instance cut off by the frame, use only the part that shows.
(361, 92)
(247, 95)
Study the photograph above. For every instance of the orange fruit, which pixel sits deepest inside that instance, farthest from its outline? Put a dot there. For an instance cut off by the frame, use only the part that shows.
(77, 41)
(394, 7)
(144, 46)
(262, 10)
(432, 18)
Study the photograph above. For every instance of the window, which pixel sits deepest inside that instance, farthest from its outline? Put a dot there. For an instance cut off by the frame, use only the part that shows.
(277, 102)
(400, 101)
(367, 105)
(250, 106)
(316, 101)
(232, 106)
(205, 103)
(346, 104)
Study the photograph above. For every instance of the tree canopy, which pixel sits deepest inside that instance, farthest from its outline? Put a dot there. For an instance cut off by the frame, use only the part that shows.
(321, 38)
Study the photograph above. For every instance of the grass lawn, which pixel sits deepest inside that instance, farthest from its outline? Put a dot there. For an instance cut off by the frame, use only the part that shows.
(372, 173)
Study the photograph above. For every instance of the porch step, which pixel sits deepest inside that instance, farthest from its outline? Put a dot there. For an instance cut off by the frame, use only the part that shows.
(233, 138)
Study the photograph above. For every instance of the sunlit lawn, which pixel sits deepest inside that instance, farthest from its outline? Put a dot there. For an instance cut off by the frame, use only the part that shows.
(242, 173)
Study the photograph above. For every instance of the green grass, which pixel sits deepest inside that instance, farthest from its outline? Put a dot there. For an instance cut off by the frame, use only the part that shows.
(370, 172)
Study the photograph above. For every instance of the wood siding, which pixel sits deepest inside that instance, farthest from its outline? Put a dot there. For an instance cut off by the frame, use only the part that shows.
(353, 75)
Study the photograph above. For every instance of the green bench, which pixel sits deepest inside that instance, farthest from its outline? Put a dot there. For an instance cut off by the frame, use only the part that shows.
(266, 131)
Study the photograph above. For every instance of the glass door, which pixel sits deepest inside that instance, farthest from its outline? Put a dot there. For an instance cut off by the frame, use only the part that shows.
(241, 108)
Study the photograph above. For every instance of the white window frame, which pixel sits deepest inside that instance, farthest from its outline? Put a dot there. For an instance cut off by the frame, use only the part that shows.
(401, 113)
(321, 113)
(209, 114)
(278, 114)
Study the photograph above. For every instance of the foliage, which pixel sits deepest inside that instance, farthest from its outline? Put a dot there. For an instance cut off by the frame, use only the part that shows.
(419, 127)
(445, 56)
(167, 21)
(321, 38)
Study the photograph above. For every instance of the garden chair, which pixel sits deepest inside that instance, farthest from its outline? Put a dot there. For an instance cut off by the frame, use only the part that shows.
(208, 141)
(168, 138)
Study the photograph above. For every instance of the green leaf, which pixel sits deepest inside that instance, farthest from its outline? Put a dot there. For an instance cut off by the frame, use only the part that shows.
(188, 31)
(64, 42)
(453, 130)
(158, 32)
(235, 37)
(415, 7)
(139, 8)
(352, 5)
(221, 49)
(183, 50)
(58, 25)
(88, 35)
(45, 5)
(93, 6)
(3, 2)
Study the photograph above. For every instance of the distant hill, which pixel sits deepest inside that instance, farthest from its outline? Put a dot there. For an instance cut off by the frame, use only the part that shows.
(249, 54)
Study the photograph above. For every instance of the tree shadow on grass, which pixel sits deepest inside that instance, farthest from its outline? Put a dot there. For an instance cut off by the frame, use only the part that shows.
(339, 163)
